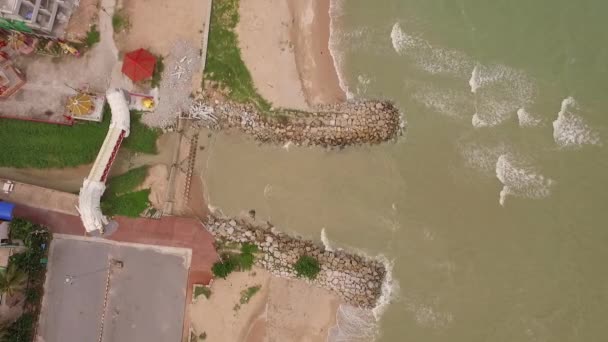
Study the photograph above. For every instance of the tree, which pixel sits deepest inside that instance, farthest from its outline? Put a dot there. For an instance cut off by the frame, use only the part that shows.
(21, 330)
(307, 266)
(12, 280)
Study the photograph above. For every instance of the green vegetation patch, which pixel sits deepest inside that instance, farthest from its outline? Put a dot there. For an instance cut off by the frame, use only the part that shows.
(126, 182)
(158, 71)
(227, 264)
(248, 293)
(21, 330)
(120, 21)
(25, 273)
(131, 204)
(120, 199)
(224, 63)
(307, 266)
(141, 138)
(41, 145)
(93, 36)
(202, 290)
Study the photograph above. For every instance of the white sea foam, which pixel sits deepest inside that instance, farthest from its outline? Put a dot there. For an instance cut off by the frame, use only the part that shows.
(432, 59)
(335, 12)
(570, 129)
(426, 313)
(355, 324)
(325, 240)
(390, 289)
(363, 82)
(521, 179)
(267, 190)
(482, 157)
(287, 145)
(500, 91)
(474, 80)
(449, 102)
(526, 119)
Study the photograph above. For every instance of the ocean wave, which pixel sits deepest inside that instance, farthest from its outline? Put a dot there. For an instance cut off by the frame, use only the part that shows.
(337, 54)
(570, 129)
(353, 324)
(521, 179)
(363, 82)
(500, 91)
(432, 59)
(426, 314)
(482, 157)
(325, 240)
(449, 102)
(526, 119)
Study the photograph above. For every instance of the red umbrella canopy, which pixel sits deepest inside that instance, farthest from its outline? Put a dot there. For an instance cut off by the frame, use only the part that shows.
(139, 65)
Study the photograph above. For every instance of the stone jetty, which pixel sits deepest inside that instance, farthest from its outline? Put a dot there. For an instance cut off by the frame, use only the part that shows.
(357, 279)
(344, 124)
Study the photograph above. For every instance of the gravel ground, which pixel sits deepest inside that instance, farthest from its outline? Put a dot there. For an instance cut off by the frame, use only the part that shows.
(175, 85)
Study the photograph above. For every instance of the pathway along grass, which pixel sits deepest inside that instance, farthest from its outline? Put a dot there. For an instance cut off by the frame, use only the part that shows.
(40, 145)
(224, 63)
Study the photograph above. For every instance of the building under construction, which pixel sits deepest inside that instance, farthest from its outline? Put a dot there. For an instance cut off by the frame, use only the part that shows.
(37, 16)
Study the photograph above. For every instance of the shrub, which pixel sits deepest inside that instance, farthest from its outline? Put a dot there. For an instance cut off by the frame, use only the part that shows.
(158, 71)
(120, 21)
(202, 290)
(224, 267)
(248, 248)
(248, 293)
(20, 229)
(93, 36)
(307, 266)
(21, 330)
(246, 261)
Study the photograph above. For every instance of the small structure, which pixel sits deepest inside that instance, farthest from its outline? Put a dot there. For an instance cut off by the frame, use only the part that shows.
(34, 15)
(139, 65)
(11, 79)
(6, 186)
(86, 106)
(6, 211)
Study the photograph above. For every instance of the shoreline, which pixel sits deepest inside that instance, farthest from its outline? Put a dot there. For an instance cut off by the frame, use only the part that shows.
(314, 58)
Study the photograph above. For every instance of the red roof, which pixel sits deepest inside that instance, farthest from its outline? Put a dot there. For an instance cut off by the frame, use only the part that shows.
(139, 65)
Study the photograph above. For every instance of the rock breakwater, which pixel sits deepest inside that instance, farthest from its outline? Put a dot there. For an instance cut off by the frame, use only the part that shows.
(348, 123)
(357, 279)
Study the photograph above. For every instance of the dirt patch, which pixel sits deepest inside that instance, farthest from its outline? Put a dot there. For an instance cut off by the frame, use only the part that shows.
(157, 181)
(82, 18)
(158, 24)
(282, 310)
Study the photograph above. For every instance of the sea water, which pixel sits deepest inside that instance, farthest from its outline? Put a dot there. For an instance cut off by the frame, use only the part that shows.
(492, 209)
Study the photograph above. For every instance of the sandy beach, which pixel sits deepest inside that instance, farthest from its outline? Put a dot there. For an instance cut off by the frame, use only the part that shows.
(282, 310)
(285, 45)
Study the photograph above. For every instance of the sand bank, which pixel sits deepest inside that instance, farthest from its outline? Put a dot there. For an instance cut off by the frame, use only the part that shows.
(283, 310)
(285, 45)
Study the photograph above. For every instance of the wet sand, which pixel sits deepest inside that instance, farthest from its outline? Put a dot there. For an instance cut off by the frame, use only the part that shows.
(288, 53)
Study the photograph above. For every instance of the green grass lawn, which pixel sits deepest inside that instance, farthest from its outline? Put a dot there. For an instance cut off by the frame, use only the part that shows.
(120, 199)
(224, 62)
(126, 182)
(40, 145)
